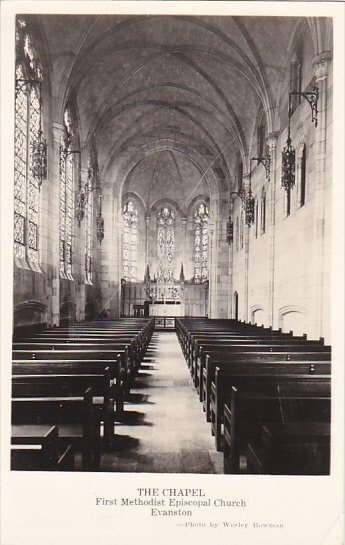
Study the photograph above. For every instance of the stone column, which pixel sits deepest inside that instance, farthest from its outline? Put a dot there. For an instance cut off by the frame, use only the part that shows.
(272, 147)
(231, 262)
(147, 237)
(184, 234)
(246, 185)
(321, 68)
(54, 227)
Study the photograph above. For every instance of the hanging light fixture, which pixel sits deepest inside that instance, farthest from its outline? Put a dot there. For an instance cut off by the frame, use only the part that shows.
(248, 205)
(229, 230)
(249, 208)
(288, 159)
(100, 222)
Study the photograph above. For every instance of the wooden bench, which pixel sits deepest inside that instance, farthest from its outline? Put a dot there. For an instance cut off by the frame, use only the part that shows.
(74, 367)
(39, 449)
(231, 375)
(77, 417)
(71, 385)
(260, 401)
(218, 343)
(221, 350)
(293, 448)
(255, 357)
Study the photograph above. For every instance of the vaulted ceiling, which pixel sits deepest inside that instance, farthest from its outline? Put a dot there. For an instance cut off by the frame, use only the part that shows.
(195, 83)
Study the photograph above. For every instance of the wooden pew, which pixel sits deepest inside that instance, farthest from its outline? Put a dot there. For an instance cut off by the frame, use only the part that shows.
(254, 356)
(231, 375)
(83, 354)
(71, 385)
(66, 360)
(77, 417)
(217, 329)
(222, 341)
(74, 367)
(277, 345)
(261, 401)
(293, 448)
(110, 343)
(39, 449)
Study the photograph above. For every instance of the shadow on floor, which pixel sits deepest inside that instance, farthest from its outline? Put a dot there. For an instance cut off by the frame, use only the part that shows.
(139, 398)
(132, 418)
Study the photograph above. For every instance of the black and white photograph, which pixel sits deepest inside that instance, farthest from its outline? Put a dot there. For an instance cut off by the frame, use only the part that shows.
(171, 196)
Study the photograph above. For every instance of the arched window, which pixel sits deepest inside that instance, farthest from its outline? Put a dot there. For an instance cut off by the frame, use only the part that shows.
(29, 161)
(67, 182)
(165, 244)
(130, 242)
(263, 211)
(303, 176)
(201, 244)
(296, 72)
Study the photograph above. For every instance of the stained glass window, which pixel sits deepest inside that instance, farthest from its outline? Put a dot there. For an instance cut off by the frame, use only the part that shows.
(165, 244)
(130, 242)
(201, 244)
(88, 225)
(296, 71)
(27, 134)
(66, 197)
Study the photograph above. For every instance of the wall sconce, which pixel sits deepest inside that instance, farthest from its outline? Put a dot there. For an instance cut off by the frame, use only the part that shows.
(312, 97)
(248, 204)
(81, 198)
(266, 162)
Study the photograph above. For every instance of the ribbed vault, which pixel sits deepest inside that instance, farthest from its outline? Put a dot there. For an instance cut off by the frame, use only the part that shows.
(200, 82)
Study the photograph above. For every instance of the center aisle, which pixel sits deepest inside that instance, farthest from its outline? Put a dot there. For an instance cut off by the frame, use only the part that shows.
(163, 429)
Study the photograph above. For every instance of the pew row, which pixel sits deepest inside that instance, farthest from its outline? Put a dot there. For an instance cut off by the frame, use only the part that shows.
(302, 399)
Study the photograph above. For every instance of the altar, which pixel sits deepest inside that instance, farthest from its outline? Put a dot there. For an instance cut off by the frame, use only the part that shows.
(166, 308)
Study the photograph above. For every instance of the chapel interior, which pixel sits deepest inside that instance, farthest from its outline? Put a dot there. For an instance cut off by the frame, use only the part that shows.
(172, 189)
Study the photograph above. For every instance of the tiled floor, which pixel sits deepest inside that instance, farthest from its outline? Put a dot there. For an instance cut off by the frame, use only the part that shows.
(164, 428)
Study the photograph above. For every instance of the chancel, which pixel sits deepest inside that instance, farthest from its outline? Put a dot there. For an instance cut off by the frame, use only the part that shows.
(172, 239)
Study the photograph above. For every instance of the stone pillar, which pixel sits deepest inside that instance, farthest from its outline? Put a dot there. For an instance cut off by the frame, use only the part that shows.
(321, 67)
(147, 237)
(231, 264)
(184, 234)
(109, 256)
(246, 185)
(212, 253)
(272, 147)
(54, 227)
